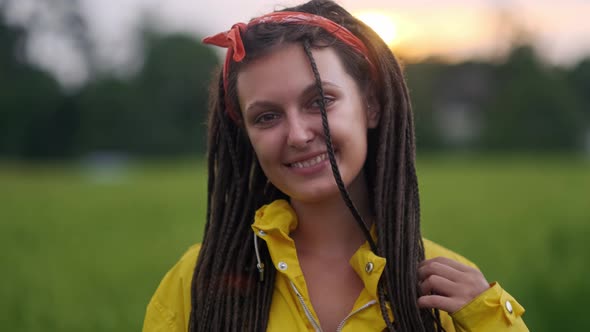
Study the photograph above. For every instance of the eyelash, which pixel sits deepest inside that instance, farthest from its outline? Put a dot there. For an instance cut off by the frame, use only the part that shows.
(315, 103)
(259, 120)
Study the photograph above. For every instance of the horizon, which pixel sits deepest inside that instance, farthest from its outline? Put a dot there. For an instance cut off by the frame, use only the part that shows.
(455, 31)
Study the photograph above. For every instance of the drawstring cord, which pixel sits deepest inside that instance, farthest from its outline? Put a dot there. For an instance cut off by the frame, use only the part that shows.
(259, 265)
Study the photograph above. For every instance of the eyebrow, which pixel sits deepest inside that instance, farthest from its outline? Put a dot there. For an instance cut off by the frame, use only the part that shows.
(310, 89)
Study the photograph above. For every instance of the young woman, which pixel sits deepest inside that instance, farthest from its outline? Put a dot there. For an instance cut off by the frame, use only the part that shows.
(313, 211)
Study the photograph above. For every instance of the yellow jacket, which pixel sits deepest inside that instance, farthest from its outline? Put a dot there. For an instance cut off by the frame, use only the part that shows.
(291, 309)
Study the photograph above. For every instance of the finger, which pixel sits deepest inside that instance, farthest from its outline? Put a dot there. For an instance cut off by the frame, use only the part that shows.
(450, 262)
(438, 285)
(447, 304)
(466, 275)
(438, 268)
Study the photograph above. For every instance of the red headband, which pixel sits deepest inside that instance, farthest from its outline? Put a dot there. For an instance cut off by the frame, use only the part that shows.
(232, 39)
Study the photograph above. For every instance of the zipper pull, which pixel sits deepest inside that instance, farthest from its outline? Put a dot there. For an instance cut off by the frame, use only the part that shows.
(260, 267)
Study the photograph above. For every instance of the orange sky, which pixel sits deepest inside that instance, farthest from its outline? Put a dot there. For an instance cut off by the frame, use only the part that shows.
(457, 32)
(451, 29)
(455, 29)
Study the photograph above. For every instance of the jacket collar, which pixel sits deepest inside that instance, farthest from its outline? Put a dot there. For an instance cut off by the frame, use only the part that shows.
(275, 221)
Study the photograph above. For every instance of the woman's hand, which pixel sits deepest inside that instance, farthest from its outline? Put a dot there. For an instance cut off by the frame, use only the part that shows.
(448, 285)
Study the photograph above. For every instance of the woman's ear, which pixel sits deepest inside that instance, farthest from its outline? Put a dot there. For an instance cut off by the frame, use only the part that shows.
(373, 111)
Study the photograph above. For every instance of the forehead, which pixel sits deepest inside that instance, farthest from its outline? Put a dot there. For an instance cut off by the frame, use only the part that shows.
(285, 72)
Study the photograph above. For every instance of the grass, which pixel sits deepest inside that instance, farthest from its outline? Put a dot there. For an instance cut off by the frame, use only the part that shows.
(84, 251)
(525, 222)
(83, 248)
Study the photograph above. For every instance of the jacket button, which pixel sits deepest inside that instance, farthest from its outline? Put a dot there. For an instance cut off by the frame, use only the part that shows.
(369, 267)
(282, 266)
(508, 306)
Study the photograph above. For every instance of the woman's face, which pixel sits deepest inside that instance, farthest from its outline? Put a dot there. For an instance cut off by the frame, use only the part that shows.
(280, 104)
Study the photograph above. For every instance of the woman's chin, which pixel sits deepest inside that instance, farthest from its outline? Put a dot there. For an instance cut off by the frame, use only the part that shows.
(317, 195)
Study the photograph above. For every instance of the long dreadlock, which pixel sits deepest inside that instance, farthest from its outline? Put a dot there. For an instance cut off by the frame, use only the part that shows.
(226, 294)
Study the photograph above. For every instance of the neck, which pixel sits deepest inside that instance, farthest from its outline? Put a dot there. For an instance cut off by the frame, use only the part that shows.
(328, 227)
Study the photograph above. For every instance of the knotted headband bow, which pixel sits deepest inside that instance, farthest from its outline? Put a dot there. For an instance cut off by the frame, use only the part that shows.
(232, 40)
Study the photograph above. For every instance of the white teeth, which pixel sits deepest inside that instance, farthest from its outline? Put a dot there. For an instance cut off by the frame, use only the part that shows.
(310, 162)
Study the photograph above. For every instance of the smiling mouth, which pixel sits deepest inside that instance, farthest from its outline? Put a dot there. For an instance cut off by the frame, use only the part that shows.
(310, 162)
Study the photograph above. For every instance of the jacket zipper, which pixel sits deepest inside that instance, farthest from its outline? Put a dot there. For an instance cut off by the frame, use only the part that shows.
(341, 325)
(312, 320)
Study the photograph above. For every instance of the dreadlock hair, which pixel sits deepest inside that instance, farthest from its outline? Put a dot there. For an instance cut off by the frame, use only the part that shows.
(225, 292)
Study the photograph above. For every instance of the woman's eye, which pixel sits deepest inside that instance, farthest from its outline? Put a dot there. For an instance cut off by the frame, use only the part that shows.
(316, 102)
(266, 118)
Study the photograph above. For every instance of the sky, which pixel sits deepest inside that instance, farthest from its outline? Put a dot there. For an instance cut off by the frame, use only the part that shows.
(450, 29)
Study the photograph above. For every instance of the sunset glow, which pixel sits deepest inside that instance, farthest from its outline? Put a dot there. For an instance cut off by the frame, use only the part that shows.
(383, 25)
(450, 33)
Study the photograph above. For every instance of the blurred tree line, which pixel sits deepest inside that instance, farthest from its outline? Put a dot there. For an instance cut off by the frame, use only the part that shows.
(518, 104)
(159, 111)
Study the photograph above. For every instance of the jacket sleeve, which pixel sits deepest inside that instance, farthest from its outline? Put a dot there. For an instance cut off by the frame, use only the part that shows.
(493, 310)
(169, 307)
(159, 318)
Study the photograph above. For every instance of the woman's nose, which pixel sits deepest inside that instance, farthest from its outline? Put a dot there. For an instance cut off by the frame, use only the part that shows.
(300, 131)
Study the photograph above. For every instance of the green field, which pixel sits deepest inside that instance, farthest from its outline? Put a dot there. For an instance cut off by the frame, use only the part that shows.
(83, 248)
